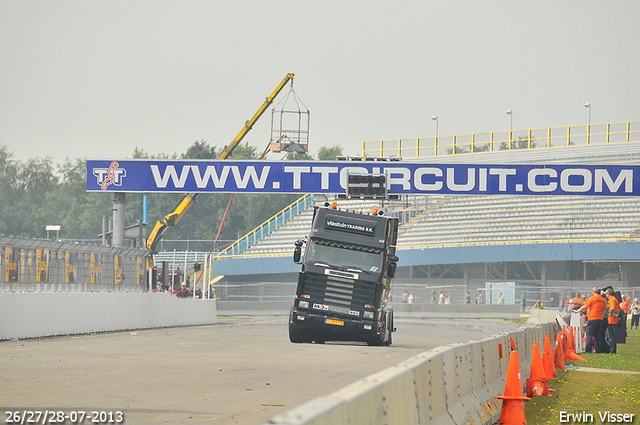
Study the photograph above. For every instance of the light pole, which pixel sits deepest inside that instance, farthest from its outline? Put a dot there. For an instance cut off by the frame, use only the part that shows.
(435, 118)
(511, 128)
(588, 105)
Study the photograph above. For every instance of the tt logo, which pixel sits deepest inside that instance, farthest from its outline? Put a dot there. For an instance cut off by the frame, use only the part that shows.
(112, 175)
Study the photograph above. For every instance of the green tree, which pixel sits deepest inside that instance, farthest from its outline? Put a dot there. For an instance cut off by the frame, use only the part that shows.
(200, 150)
(329, 153)
(521, 143)
(245, 151)
(296, 156)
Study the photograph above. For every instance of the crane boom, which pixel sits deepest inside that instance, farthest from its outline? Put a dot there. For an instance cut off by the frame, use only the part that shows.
(188, 199)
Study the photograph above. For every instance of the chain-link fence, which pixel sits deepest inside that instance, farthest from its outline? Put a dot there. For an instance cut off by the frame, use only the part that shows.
(41, 265)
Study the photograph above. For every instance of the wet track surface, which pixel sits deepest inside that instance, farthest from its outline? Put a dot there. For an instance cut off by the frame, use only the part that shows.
(243, 370)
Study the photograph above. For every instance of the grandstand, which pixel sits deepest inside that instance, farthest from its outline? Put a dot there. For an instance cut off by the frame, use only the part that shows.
(442, 220)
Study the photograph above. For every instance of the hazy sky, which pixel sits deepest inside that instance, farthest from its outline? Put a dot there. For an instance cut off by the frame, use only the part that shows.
(95, 79)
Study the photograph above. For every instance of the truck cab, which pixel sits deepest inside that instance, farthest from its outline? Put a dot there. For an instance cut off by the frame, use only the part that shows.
(343, 286)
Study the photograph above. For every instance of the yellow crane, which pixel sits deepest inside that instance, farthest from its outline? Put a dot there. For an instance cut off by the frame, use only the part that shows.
(188, 199)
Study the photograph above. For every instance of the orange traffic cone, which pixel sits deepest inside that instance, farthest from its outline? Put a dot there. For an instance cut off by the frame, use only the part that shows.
(570, 354)
(558, 355)
(547, 359)
(512, 412)
(537, 384)
(571, 340)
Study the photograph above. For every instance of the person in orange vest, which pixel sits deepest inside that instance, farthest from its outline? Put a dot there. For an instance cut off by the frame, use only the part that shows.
(614, 311)
(595, 307)
(577, 301)
(622, 318)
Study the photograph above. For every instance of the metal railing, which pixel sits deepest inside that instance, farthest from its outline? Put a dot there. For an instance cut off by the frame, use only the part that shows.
(275, 222)
(578, 135)
(42, 265)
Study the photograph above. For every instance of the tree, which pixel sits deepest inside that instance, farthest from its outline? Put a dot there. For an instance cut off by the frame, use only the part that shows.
(244, 151)
(329, 153)
(296, 156)
(521, 143)
(200, 150)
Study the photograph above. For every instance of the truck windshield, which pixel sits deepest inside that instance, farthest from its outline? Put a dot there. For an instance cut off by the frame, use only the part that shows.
(344, 256)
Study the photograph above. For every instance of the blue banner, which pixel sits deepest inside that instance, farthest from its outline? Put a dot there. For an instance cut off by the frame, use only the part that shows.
(330, 177)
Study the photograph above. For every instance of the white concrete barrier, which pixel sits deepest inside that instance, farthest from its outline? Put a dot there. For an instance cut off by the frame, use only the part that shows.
(32, 315)
(451, 385)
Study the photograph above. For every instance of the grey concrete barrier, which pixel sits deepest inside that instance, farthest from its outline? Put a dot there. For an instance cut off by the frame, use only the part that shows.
(450, 385)
(32, 315)
(433, 310)
(254, 307)
(459, 310)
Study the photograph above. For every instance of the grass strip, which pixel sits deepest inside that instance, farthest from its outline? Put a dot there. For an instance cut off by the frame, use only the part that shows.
(590, 395)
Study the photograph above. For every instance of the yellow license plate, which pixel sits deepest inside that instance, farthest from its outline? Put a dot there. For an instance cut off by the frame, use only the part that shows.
(334, 322)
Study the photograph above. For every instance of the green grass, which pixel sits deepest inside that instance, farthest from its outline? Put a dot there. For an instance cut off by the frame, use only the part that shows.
(593, 392)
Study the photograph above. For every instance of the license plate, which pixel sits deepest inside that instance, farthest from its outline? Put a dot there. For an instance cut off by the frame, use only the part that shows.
(334, 322)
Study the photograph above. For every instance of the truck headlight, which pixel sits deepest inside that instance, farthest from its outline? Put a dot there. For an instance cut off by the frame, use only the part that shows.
(368, 314)
(303, 304)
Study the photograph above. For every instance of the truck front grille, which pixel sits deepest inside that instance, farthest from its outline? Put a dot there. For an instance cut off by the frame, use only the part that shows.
(335, 291)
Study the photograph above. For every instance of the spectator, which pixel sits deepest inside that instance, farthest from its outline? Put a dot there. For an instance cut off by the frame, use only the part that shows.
(441, 298)
(183, 292)
(433, 298)
(614, 310)
(523, 303)
(405, 296)
(595, 307)
(567, 304)
(624, 312)
(538, 305)
(480, 298)
(467, 299)
(447, 300)
(500, 298)
(410, 298)
(577, 301)
(635, 313)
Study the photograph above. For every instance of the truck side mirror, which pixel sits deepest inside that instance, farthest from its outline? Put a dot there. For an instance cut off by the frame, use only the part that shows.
(393, 258)
(391, 270)
(297, 252)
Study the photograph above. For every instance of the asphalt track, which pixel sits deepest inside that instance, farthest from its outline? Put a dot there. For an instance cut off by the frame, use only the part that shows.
(243, 370)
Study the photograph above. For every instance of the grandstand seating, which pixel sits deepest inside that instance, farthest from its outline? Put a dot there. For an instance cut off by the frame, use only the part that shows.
(507, 219)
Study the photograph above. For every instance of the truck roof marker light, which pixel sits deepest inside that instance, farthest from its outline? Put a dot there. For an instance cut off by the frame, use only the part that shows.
(305, 296)
(375, 211)
(369, 306)
(334, 205)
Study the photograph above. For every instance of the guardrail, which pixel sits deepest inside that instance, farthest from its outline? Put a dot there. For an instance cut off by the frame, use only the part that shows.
(267, 227)
(577, 135)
